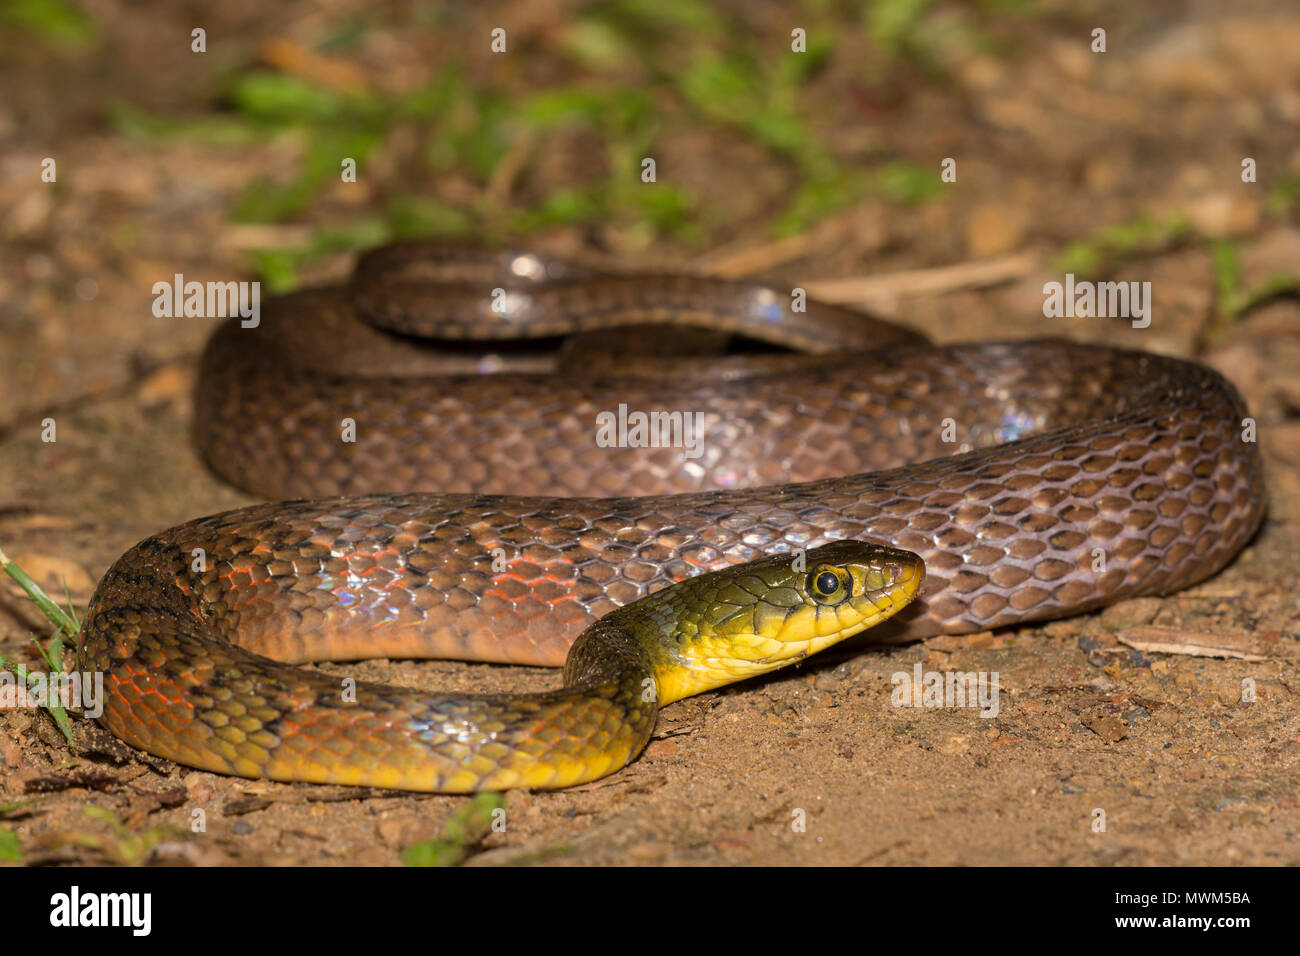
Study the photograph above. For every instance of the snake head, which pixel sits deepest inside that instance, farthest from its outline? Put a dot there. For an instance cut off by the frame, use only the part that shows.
(752, 618)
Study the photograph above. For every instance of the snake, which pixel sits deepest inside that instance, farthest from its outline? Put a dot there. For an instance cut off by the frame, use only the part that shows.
(433, 426)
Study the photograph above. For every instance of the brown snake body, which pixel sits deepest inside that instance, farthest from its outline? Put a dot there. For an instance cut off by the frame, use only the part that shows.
(1075, 476)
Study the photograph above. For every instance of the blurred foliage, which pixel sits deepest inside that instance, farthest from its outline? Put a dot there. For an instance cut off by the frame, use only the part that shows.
(121, 847)
(1143, 235)
(10, 851)
(1113, 244)
(896, 25)
(1284, 196)
(463, 830)
(622, 72)
(54, 22)
(626, 68)
(927, 34)
(1232, 297)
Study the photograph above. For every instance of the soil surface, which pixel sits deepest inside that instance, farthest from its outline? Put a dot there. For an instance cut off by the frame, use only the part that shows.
(1130, 161)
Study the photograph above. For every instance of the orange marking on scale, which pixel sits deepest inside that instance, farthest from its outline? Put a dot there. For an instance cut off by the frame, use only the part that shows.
(153, 689)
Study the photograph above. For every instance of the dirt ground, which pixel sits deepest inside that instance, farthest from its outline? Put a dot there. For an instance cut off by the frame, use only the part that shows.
(1127, 163)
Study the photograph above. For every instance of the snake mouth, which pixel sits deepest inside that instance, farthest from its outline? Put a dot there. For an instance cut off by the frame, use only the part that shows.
(875, 582)
(888, 586)
(793, 612)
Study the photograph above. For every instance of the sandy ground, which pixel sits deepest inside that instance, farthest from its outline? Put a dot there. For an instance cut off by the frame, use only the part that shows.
(811, 766)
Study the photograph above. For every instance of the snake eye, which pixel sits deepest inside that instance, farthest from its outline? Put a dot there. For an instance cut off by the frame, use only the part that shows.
(828, 585)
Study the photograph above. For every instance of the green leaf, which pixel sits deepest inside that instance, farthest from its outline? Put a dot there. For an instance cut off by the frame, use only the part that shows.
(60, 715)
(907, 183)
(56, 614)
(433, 100)
(463, 829)
(411, 217)
(1227, 277)
(1284, 195)
(56, 22)
(285, 100)
(143, 126)
(658, 20)
(793, 69)
(668, 208)
(564, 105)
(10, 850)
(562, 207)
(1080, 258)
(597, 45)
(277, 268)
(896, 24)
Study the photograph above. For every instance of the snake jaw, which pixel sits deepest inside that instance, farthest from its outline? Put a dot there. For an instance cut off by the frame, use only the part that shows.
(786, 622)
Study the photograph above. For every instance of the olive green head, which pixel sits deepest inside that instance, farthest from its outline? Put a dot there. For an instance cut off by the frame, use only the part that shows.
(751, 618)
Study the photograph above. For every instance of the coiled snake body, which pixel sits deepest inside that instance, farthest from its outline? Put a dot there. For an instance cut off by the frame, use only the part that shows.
(1034, 479)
